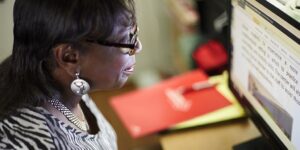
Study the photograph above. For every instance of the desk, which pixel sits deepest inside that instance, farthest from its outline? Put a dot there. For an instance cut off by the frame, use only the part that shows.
(213, 137)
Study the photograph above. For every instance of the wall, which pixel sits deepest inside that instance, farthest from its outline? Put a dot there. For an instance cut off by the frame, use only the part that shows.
(156, 35)
(6, 28)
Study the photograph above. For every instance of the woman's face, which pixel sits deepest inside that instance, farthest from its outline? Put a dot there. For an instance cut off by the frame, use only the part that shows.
(107, 67)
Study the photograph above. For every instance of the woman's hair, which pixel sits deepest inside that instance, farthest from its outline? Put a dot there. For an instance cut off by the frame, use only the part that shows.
(39, 26)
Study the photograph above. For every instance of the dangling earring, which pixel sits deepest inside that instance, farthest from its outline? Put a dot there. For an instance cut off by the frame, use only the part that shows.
(79, 86)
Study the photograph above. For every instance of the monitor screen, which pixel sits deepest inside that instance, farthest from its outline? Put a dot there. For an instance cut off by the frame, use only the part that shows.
(265, 66)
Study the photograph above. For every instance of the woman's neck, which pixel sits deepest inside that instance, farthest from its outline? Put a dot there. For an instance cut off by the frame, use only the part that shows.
(72, 103)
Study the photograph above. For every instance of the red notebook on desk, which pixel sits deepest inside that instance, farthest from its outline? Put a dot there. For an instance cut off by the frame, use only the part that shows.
(150, 110)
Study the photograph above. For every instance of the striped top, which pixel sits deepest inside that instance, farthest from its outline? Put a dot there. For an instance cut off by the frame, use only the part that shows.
(35, 128)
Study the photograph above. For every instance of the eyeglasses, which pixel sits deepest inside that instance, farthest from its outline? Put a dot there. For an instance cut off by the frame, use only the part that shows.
(129, 49)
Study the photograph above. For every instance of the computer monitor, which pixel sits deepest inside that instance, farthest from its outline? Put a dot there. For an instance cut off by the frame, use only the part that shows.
(265, 66)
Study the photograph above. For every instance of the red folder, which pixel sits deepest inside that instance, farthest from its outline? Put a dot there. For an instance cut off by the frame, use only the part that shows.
(149, 110)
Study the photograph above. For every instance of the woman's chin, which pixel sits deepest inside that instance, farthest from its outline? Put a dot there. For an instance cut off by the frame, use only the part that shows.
(121, 84)
(116, 86)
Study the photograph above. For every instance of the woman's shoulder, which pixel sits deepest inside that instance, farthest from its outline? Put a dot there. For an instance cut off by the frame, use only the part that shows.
(26, 116)
(25, 128)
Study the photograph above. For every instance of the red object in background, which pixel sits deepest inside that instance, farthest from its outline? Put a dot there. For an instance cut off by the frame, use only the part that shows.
(150, 110)
(210, 56)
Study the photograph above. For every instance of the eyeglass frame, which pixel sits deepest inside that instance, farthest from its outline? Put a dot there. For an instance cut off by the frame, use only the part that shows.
(132, 47)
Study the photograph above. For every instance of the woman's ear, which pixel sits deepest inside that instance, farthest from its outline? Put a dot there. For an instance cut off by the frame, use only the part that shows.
(66, 58)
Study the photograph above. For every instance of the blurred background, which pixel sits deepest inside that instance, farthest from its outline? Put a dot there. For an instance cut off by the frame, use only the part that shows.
(177, 36)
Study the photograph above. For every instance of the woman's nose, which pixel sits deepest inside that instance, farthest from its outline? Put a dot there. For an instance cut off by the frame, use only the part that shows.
(138, 47)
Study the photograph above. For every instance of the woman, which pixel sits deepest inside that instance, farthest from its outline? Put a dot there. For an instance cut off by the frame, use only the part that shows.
(62, 50)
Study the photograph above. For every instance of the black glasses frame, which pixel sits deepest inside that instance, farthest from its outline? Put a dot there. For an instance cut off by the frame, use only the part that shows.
(131, 47)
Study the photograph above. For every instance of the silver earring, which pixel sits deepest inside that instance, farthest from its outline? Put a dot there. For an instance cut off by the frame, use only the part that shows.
(79, 86)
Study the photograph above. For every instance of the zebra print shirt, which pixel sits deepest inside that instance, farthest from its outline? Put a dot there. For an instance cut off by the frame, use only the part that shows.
(36, 128)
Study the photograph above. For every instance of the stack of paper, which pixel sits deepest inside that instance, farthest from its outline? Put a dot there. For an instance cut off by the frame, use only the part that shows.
(151, 110)
(229, 112)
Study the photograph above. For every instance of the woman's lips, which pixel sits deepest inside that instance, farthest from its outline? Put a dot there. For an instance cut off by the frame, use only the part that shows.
(129, 70)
